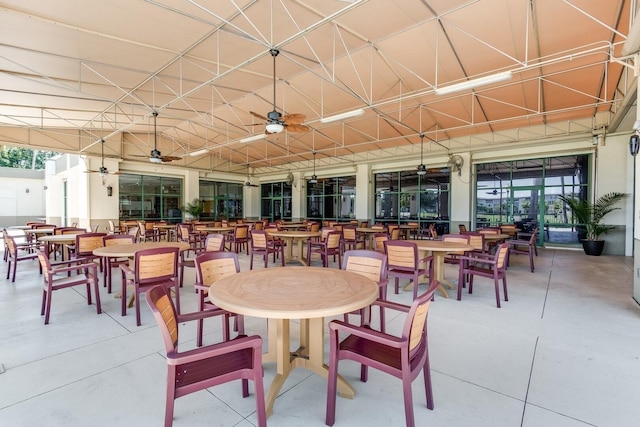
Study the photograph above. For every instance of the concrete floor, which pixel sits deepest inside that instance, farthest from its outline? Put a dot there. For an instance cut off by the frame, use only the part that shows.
(564, 351)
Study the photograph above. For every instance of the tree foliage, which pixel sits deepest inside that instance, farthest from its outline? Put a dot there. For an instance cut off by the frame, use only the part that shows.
(24, 158)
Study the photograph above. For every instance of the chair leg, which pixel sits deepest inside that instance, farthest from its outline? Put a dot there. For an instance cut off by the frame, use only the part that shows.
(408, 400)
(427, 382)
(497, 286)
(332, 382)
(531, 259)
(504, 286)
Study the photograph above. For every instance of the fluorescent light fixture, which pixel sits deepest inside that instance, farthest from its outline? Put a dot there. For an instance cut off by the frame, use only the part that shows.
(342, 116)
(199, 152)
(470, 84)
(254, 137)
(274, 127)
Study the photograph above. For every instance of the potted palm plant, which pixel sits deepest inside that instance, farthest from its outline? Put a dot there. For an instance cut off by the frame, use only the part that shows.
(590, 215)
(194, 208)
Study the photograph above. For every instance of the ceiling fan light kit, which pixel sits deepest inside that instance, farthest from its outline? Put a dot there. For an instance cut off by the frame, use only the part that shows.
(342, 116)
(471, 84)
(314, 178)
(275, 127)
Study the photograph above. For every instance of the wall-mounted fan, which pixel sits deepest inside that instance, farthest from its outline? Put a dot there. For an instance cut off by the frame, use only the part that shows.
(276, 122)
(102, 170)
(290, 179)
(455, 163)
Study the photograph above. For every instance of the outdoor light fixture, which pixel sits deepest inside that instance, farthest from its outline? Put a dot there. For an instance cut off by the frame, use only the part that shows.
(199, 152)
(422, 170)
(109, 191)
(342, 116)
(470, 84)
(634, 144)
(254, 137)
(314, 178)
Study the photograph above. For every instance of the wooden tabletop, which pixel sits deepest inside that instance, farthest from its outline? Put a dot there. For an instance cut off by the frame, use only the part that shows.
(129, 249)
(293, 292)
(441, 246)
(39, 231)
(58, 238)
(216, 229)
(293, 233)
(495, 237)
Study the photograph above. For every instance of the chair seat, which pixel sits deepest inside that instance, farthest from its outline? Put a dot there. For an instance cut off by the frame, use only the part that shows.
(201, 371)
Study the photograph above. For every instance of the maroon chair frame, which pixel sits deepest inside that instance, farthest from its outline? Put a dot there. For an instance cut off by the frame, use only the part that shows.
(263, 246)
(86, 274)
(202, 261)
(403, 357)
(152, 267)
(403, 263)
(201, 368)
(492, 266)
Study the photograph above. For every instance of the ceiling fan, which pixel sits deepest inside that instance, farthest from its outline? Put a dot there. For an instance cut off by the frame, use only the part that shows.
(156, 156)
(102, 170)
(276, 122)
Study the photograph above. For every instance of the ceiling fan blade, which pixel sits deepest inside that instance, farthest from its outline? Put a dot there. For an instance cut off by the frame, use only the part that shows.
(170, 158)
(297, 128)
(294, 119)
(260, 116)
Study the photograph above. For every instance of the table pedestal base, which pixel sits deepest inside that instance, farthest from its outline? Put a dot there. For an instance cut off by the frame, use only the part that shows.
(309, 355)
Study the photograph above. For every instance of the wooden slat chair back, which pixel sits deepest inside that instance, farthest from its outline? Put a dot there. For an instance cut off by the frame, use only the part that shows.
(492, 266)
(403, 263)
(152, 267)
(372, 265)
(401, 356)
(79, 273)
(114, 262)
(202, 368)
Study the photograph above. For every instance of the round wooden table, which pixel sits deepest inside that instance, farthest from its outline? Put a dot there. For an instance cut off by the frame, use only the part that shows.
(306, 293)
(297, 237)
(130, 249)
(439, 249)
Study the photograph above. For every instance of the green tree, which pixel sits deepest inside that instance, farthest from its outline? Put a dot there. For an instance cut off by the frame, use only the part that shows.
(24, 158)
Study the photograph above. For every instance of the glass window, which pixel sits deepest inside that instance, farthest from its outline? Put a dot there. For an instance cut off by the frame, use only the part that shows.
(332, 199)
(221, 200)
(150, 197)
(276, 201)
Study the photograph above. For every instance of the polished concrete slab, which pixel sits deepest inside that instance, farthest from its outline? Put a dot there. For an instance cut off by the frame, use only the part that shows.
(563, 351)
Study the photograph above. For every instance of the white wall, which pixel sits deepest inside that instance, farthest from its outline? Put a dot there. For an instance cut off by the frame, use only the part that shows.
(22, 196)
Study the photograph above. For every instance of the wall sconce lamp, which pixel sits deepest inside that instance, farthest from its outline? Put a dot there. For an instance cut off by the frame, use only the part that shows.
(109, 191)
(634, 144)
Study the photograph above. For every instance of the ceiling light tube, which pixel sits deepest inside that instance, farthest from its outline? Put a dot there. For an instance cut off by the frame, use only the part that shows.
(254, 137)
(342, 116)
(199, 152)
(470, 84)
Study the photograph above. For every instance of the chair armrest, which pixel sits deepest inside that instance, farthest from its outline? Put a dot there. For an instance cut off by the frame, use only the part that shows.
(479, 259)
(392, 305)
(240, 343)
(90, 265)
(197, 315)
(126, 269)
(371, 334)
(81, 260)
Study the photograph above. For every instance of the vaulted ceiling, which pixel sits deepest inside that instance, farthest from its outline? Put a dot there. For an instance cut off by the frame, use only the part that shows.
(73, 73)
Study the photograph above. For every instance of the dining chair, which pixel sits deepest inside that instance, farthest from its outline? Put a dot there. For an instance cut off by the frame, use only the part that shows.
(85, 274)
(378, 241)
(402, 356)
(84, 246)
(111, 228)
(462, 228)
(524, 247)
(509, 229)
(452, 257)
(185, 234)
(114, 262)
(332, 245)
(351, 239)
(151, 267)
(492, 266)
(403, 263)
(239, 238)
(373, 265)
(18, 252)
(199, 369)
(210, 267)
(212, 243)
(476, 240)
(261, 245)
(60, 247)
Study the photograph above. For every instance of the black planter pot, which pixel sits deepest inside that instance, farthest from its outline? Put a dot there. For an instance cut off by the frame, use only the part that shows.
(593, 247)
